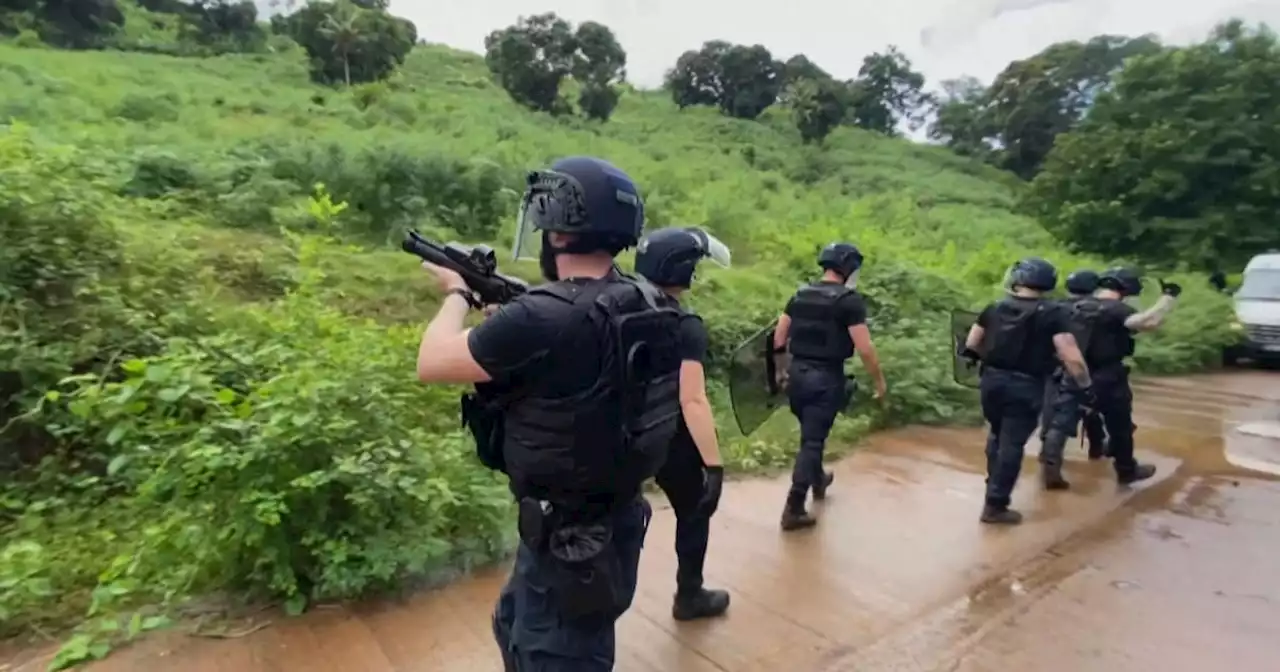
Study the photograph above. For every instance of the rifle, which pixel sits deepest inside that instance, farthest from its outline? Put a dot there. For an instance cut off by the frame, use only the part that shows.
(478, 266)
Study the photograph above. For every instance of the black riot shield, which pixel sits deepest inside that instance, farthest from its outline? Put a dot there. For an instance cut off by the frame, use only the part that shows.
(963, 370)
(757, 380)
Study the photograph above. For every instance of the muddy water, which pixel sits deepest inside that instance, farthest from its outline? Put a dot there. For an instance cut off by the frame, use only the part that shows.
(1178, 573)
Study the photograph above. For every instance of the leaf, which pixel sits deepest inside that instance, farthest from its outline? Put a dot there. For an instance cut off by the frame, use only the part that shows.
(116, 464)
(117, 432)
(295, 605)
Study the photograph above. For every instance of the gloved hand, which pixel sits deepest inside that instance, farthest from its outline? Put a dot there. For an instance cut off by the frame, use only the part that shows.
(1171, 289)
(971, 355)
(712, 486)
(1088, 401)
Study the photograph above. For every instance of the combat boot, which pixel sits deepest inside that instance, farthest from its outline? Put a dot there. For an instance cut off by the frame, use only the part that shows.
(1000, 515)
(700, 604)
(1097, 450)
(820, 491)
(1051, 474)
(1140, 472)
(794, 517)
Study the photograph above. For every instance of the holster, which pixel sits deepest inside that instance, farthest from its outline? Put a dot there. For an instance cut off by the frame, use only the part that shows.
(482, 416)
(584, 572)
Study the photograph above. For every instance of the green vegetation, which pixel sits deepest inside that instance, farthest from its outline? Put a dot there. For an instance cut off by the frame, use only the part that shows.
(207, 333)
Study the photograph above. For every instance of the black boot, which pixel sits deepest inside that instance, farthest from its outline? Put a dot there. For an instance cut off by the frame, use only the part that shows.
(1000, 515)
(1140, 472)
(703, 603)
(820, 491)
(1097, 450)
(794, 517)
(1051, 474)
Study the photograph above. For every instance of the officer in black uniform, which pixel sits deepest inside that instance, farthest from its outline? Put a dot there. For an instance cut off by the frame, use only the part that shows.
(693, 475)
(1062, 401)
(1110, 343)
(821, 327)
(577, 400)
(1016, 339)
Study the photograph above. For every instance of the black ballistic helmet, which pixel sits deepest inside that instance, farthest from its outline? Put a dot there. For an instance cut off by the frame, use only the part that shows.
(668, 258)
(1033, 273)
(843, 258)
(1123, 280)
(581, 195)
(1082, 282)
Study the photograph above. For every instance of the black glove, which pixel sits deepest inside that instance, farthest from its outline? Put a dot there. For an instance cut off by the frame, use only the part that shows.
(1172, 289)
(971, 355)
(712, 486)
(1088, 401)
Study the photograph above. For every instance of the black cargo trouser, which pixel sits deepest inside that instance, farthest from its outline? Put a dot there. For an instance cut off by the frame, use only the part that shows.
(817, 392)
(682, 479)
(1115, 404)
(1011, 404)
(532, 632)
(1062, 413)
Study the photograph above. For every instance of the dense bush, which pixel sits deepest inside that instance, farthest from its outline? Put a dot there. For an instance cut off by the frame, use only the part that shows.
(210, 386)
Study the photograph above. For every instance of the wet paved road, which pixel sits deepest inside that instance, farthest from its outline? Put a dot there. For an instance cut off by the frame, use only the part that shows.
(1179, 573)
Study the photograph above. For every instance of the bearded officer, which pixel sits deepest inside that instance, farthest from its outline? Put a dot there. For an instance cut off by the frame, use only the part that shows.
(576, 441)
(1016, 339)
(1110, 344)
(1062, 401)
(821, 327)
(693, 474)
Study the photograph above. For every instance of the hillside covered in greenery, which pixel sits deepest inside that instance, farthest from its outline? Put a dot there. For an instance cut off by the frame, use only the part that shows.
(207, 330)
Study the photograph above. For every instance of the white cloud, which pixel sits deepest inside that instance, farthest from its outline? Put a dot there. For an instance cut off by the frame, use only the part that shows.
(945, 38)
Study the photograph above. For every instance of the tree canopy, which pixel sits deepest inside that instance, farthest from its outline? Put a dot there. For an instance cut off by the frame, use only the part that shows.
(1178, 158)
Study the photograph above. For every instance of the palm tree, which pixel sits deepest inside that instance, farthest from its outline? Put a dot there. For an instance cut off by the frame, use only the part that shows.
(340, 28)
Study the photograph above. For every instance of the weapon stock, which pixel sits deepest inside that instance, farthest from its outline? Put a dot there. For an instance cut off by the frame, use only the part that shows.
(478, 266)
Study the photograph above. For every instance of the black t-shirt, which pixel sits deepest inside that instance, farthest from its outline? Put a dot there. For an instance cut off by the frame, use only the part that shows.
(1038, 356)
(694, 340)
(851, 310)
(540, 341)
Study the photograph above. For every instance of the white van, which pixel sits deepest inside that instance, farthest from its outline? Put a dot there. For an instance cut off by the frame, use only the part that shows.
(1258, 310)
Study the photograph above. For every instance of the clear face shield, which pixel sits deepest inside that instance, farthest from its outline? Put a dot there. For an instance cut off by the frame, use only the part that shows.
(551, 200)
(712, 248)
(528, 241)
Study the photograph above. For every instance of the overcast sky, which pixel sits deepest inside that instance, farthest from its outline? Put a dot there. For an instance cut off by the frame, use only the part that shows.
(944, 38)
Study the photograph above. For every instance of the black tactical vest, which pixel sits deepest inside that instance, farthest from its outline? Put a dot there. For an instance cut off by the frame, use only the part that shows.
(816, 331)
(1111, 341)
(602, 443)
(1006, 341)
(1085, 317)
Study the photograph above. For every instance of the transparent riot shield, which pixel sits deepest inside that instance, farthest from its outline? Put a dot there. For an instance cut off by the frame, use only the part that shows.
(757, 380)
(963, 370)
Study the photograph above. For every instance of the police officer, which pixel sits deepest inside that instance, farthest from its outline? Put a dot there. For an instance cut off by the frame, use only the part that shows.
(1062, 400)
(1016, 339)
(587, 372)
(1109, 344)
(822, 326)
(693, 475)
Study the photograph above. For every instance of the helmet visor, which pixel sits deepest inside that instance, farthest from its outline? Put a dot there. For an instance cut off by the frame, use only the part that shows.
(852, 281)
(714, 250)
(528, 241)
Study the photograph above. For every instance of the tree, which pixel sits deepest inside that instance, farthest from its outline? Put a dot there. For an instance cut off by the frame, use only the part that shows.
(1036, 99)
(600, 66)
(818, 106)
(226, 25)
(887, 92)
(73, 24)
(1179, 159)
(348, 43)
(531, 58)
(742, 81)
(962, 121)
